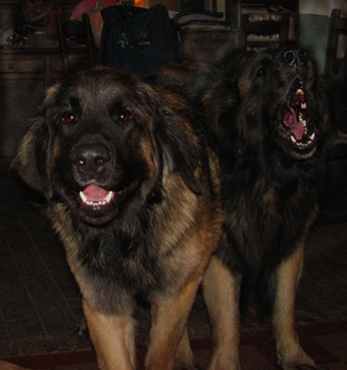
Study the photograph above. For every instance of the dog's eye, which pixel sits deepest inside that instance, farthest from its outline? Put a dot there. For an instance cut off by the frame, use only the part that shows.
(68, 117)
(125, 115)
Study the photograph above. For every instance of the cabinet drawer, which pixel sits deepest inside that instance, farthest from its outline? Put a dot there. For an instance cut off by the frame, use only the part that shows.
(22, 66)
(202, 44)
(75, 62)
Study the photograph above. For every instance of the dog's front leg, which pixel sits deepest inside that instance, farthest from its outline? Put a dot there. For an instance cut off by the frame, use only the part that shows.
(289, 352)
(222, 292)
(113, 339)
(169, 320)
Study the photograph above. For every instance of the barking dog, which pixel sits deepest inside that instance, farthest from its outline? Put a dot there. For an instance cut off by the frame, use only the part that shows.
(268, 121)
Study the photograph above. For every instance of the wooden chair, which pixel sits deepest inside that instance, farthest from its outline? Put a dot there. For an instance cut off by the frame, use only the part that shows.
(91, 50)
(333, 60)
(335, 75)
(254, 35)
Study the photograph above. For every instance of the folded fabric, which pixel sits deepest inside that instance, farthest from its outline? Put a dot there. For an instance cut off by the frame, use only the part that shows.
(88, 6)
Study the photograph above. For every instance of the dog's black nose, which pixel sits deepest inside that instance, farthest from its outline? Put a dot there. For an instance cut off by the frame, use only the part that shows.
(295, 57)
(90, 158)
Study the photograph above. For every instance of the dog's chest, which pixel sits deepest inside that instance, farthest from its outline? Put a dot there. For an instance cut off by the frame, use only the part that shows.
(129, 261)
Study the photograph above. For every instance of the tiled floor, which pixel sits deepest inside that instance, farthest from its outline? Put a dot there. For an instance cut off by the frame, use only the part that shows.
(40, 308)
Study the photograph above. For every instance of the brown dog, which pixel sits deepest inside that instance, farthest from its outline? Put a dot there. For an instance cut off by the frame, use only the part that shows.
(131, 189)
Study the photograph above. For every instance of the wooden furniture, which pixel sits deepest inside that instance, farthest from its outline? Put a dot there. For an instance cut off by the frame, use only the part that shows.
(338, 27)
(259, 10)
(25, 74)
(91, 51)
(204, 39)
(268, 33)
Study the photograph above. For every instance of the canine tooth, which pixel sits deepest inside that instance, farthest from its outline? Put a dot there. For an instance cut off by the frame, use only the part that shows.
(302, 121)
(109, 197)
(83, 197)
(300, 91)
(312, 136)
(292, 138)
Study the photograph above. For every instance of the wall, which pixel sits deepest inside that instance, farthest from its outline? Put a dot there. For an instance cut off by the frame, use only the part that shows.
(314, 27)
(321, 7)
(176, 4)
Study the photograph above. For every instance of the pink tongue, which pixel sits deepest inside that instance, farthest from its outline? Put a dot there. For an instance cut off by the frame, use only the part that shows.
(95, 193)
(292, 122)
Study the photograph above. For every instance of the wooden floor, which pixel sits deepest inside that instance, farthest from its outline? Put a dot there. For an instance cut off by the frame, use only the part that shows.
(40, 306)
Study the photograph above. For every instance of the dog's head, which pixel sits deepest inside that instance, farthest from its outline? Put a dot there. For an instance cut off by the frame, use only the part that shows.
(104, 142)
(279, 99)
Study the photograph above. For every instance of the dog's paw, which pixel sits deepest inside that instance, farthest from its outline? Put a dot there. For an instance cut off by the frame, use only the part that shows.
(224, 364)
(291, 356)
(308, 364)
(309, 367)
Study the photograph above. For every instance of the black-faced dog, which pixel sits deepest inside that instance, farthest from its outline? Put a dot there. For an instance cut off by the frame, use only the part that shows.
(132, 191)
(268, 123)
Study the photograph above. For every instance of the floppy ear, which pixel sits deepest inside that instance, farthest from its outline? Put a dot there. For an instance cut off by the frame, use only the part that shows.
(180, 146)
(31, 159)
(34, 150)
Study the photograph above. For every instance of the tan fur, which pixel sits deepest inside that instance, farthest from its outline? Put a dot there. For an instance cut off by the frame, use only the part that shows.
(289, 351)
(184, 225)
(221, 292)
(112, 337)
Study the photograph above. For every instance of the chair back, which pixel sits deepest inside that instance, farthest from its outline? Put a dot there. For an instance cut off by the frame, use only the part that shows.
(268, 33)
(91, 51)
(334, 59)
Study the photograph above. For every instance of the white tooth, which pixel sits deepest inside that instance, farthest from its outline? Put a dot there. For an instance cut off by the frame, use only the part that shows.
(312, 136)
(109, 197)
(96, 203)
(302, 121)
(292, 138)
(300, 91)
(83, 197)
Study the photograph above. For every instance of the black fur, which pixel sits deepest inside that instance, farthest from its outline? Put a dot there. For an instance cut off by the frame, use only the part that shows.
(269, 186)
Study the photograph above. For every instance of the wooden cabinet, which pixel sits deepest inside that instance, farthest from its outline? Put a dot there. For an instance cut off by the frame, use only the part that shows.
(24, 77)
(25, 74)
(18, 101)
(203, 40)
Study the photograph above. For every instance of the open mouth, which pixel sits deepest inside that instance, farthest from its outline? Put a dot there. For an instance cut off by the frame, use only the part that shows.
(99, 205)
(96, 196)
(97, 202)
(299, 129)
